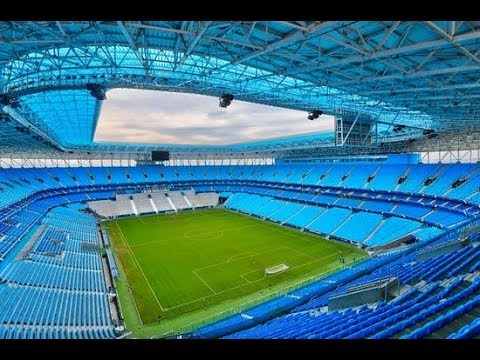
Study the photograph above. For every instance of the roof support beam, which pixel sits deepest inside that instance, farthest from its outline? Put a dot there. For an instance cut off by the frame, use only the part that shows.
(426, 88)
(435, 98)
(191, 33)
(289, 39)
(194, 43)
(345, 138)
(452, 28)
(439, 30)
(449, 37)
(410, 75)
(364, 52)
(387, 35)
(390, 52)
(59, 25)
(134, 47)
(292, 25)
(425, 60)
(67, 40)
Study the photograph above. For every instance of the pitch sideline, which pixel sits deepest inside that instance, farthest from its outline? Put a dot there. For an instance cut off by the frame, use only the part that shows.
(140, 268)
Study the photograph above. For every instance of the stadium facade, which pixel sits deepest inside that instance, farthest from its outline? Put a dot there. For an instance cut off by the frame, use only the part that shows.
(398, 177)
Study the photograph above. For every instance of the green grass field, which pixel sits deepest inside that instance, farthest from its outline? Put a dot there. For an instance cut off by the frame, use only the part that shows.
(183, 262)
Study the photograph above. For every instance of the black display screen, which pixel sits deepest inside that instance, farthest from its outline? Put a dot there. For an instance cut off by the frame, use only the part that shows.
(160, 155)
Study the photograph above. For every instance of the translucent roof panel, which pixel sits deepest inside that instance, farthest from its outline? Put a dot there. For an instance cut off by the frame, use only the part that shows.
(69, 115)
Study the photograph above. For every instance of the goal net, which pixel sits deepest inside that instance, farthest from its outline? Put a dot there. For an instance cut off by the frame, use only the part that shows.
(276, 269)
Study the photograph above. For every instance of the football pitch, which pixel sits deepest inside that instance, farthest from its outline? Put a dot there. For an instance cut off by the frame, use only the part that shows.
(179, 263)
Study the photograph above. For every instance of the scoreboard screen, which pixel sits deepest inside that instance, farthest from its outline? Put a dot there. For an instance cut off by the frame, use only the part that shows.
(160, 155)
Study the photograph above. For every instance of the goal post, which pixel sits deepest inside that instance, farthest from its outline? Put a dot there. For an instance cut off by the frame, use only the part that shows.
(276, 269)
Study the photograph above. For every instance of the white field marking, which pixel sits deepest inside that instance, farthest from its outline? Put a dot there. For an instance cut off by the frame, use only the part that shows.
(161, 241)
(257, 291)
(266, 252)
(231, 258)
(250, 272)
(301, 252)
(316, 259)
(293, 266)
(215, 235)
(193, 271)
(241, 258)
(139, 267)
(244, 278)
(313, 241)
(217, 293)
(308, 239)
(159, 219)
(185, 236)
(282, 228)
(251, 282)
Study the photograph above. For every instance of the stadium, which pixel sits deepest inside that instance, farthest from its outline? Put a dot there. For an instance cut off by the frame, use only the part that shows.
(369, 230)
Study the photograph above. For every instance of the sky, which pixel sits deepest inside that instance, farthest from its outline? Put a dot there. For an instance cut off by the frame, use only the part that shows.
(146, 116)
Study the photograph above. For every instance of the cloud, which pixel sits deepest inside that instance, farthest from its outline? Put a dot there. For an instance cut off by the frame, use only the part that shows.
(142, 116)
(215, 114)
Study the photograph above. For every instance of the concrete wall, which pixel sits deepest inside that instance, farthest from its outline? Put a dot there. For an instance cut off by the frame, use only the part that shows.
(439, 250)
(368, 295)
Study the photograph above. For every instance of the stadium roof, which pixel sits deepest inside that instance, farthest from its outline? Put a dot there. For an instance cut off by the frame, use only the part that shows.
(424, 75)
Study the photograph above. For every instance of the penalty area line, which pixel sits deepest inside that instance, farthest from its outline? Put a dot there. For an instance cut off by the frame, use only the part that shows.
(193, 271)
